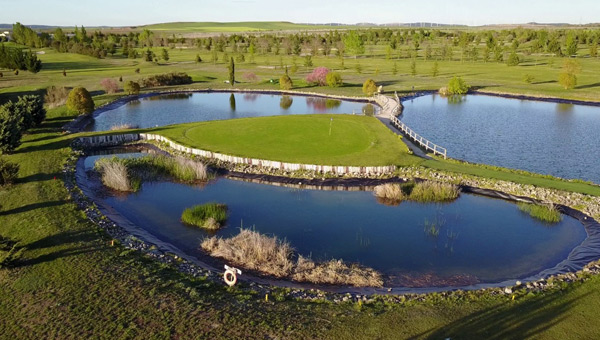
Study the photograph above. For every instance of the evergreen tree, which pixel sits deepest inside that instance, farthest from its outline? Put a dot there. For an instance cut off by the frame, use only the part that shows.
(231, 69)
(10, 132)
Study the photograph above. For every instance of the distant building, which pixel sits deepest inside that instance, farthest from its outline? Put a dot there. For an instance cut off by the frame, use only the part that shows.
(5, 34)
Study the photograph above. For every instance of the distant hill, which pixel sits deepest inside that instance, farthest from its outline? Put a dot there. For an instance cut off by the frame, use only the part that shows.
(244, 26)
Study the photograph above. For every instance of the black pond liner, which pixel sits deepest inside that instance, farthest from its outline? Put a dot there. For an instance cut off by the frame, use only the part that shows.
(586, 252)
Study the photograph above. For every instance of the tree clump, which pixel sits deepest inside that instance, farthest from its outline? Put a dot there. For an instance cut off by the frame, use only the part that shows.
(80, 101)
(369, 87)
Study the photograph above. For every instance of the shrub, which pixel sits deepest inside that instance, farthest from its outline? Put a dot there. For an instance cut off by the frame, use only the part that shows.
(80, 101)
(318, 76)
(369, 87)
(334, 79)
(285, 82)
(528, 78)
(109, 85)
(10, 252)
(131, 87)
(545, 213)
(10, 128)
(167, 79)
(115, 176)
(56, 96)
(513, 59)
(390, 191)
(457, 86)
(429, 191)
(31, 109)
(250, 76)
(8, 172)
(208, 216)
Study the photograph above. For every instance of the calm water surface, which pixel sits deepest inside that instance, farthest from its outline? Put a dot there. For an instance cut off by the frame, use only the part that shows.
(557, 139)
(485, 239)
(195, 107)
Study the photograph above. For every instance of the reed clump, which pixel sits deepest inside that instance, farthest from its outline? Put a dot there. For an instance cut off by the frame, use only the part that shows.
(273, 256)
(123, 127)
(427, 191)
(544, 212)
(209, 216)
(127, 174)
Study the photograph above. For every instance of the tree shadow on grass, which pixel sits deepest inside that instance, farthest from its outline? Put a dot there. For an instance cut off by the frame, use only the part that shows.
(39, 177)
(509, 320)
(60, 144)
(588, 86)
(70, 242)
(31, 207)
(14, 96)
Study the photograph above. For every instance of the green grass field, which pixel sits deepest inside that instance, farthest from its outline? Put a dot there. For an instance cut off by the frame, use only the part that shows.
(354, 140)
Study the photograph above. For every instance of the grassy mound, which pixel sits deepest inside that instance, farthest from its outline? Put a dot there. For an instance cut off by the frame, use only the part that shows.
(208, 216)
(424, 192)
(352, 140)
(127, 174)
(544, 213)
(270, 255)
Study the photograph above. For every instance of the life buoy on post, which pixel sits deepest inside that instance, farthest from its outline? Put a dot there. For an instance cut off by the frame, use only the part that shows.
(230, 275)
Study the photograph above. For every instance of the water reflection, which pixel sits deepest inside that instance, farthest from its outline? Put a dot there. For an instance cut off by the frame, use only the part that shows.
(565, 108)
(368, 110)
(285, 102)
(232, 102)
(172, 96)
(322, 104)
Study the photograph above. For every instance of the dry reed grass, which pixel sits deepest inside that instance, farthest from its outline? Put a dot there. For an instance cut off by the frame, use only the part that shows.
(270, 255)
(114, 175)
(123, 127)
(390, 192)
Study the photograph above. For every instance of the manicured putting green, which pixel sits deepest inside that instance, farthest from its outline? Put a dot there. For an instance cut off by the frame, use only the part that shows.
(310, 139)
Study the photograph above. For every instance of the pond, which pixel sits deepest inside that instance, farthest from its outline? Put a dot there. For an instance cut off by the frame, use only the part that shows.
(548, 138)
(479, 240)
(178, 108)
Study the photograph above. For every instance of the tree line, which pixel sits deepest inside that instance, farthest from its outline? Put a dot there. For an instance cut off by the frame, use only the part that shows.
(559, 42)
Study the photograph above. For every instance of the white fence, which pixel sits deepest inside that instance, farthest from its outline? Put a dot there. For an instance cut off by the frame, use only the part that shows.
(112, 140)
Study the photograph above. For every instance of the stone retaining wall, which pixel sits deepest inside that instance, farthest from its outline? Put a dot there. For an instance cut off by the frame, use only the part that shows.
(113, 140)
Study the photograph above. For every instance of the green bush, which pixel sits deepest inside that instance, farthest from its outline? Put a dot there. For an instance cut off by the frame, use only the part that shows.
(8, 172)
(10, 128)
(429, 191)
(207, 216)
(31, 109)
(513, 59)
(80, 101)
(458, 86)
(131, 87)
(285, 82)
(167, 79)
(334, 79)
(369, 87)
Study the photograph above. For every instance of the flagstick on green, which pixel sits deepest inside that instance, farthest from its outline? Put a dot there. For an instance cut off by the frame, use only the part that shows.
(330, 122)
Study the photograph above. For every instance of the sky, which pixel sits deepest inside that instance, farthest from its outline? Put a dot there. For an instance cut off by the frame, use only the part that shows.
(139, 12)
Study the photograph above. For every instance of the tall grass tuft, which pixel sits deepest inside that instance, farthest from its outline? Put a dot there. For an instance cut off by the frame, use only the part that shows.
(270, 255)
(123, 127)
(429, 191)
(545, 213)
(208, 216)
(390, 191)
(115, 175)
(127, 174)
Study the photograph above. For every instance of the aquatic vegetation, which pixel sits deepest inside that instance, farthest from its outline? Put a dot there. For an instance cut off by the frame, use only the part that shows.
(424, 192)
(545, 213)
(208, 216)
(127, 174)
(273, 256)
(123, 127)
(430, 191)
